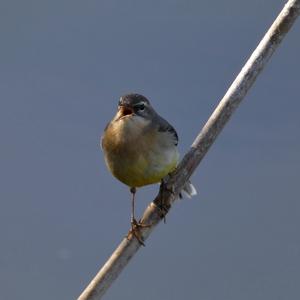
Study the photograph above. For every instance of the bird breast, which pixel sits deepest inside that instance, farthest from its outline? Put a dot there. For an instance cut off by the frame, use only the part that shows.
(137, 153)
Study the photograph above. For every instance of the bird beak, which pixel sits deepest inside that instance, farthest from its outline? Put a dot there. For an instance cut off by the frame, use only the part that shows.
(124, 111)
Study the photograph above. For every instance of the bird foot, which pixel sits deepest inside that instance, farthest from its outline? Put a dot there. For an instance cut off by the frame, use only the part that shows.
(136, 231)
(164, 207)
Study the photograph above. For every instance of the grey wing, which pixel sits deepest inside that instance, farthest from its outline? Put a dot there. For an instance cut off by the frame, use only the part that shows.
(165, 126)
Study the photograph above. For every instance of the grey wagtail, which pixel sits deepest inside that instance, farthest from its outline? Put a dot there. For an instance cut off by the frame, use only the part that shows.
(140, 147)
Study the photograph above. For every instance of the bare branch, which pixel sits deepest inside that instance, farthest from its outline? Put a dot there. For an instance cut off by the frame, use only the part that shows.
(173, 185)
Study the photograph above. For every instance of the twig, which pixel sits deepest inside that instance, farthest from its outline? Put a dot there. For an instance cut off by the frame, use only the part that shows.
(173, 185)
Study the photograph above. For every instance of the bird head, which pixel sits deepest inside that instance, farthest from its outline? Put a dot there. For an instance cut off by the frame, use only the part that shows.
(134, 105)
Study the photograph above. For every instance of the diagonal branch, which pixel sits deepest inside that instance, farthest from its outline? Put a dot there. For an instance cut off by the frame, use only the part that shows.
(155, 212)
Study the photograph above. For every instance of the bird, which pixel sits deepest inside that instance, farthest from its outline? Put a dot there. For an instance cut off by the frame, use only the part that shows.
(140, 148)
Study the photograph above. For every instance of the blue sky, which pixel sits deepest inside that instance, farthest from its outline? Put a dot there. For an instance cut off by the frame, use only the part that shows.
(64, 65)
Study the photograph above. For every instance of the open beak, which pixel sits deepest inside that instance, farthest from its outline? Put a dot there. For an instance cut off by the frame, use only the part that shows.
(124, 111)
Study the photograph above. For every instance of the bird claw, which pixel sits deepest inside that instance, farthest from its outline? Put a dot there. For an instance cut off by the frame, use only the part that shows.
(136, 231)
(164, 207)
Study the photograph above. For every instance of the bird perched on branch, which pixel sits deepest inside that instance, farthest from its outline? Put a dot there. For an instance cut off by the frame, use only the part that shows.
(140, 148)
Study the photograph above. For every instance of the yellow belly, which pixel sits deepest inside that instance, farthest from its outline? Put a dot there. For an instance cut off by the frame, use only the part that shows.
(140, 171)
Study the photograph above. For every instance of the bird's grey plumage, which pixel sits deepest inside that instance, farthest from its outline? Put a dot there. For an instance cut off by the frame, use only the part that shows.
(165, 126)
(133, 99)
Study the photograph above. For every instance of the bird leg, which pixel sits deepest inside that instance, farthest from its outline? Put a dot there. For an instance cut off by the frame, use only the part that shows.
(132, 218)
(135, 225)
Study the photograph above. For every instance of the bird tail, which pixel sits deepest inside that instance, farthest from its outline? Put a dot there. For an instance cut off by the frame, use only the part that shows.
(188, 190)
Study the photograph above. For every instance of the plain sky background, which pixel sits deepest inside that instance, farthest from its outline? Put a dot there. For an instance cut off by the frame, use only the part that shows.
(63, 66)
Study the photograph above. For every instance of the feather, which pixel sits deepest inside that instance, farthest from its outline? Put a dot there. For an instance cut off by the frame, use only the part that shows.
(165, 126)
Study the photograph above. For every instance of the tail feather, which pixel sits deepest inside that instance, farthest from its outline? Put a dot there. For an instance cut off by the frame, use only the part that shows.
(188, 190)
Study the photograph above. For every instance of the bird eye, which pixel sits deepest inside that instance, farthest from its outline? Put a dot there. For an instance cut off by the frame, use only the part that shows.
(140, 106)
